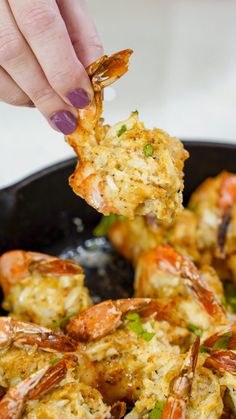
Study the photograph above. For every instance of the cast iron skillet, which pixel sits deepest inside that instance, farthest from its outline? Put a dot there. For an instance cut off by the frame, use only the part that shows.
(41, 213)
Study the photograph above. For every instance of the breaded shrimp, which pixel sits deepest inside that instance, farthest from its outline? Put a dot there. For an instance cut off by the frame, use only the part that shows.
(126, 169)
(41, 288)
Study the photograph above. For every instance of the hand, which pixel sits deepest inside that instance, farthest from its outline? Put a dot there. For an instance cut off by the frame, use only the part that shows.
(45, 46)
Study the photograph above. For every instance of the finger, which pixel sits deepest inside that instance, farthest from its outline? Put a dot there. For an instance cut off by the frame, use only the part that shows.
(42, 25)
(82, 31)
(11, 93)
(20, 63)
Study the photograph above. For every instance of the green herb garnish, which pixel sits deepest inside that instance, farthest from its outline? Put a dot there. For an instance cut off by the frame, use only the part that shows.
(148, 150)
(156, 413)
(134, 324)
(194, 329)
(223, 341)
(230, 295)
(57, 323)
(54, 361)
(105, 224)
(204, 349)
(121, 131)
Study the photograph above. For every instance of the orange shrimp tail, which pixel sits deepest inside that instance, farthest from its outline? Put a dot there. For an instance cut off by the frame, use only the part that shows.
(174, 409)
(227, 198)
(12, 404)
(103, 318)
(168, 260)
(52, 377)
(180, 387)
(108, 69)
(15, 266)
(221, 362)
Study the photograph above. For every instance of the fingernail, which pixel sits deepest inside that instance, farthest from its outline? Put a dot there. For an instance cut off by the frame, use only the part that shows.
(79, 98)
(64, 121)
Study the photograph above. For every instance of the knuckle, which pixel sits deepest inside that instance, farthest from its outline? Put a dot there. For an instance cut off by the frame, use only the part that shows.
(38, 19)
(42, 96)
(16, 100)
(94, 42)
(10, 46)
(61, 77)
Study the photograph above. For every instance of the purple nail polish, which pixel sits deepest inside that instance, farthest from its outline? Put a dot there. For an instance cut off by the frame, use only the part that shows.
(79, 98)
(64, 121)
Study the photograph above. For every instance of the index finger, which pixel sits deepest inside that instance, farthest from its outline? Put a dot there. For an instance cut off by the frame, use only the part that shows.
(44, 29)
(82, 31)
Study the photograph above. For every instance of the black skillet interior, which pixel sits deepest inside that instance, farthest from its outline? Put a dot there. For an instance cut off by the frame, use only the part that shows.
(41, 213)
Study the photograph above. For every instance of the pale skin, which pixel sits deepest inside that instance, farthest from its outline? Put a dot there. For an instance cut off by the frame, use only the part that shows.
(45, 46)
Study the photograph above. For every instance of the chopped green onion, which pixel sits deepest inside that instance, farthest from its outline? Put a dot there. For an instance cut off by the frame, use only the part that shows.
(230, 295)
(223, 341)
(194, 329)
(54, 361)
(105, 224)
(134, 324)
(147, 336)
(121, 131)
(148, 150)
(204, 349)
(57, 324)
(156, 413)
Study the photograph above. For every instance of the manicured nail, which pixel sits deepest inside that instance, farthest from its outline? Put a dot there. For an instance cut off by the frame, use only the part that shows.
(64, 121)
(79, 98)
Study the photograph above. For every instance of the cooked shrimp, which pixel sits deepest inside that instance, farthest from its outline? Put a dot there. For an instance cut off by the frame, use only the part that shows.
(126, 169)
(160, 269)
(18, 333)
(41, 288)
(133, 237)
(196, 393)
(104, 318)
(12, 404)
(214, 205)
(180, 387)
(117, 363)
(70, 400)
(227, 199)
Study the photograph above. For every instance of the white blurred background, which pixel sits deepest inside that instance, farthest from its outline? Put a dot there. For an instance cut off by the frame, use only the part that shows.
(182, 78)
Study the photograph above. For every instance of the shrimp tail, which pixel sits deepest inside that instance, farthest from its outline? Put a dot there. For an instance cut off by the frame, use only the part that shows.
(180, 387)
(107, 69)
(104, 318)
(19, 333)
(12, 404)
(222, 233)
(221, 362)
(227, 198)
